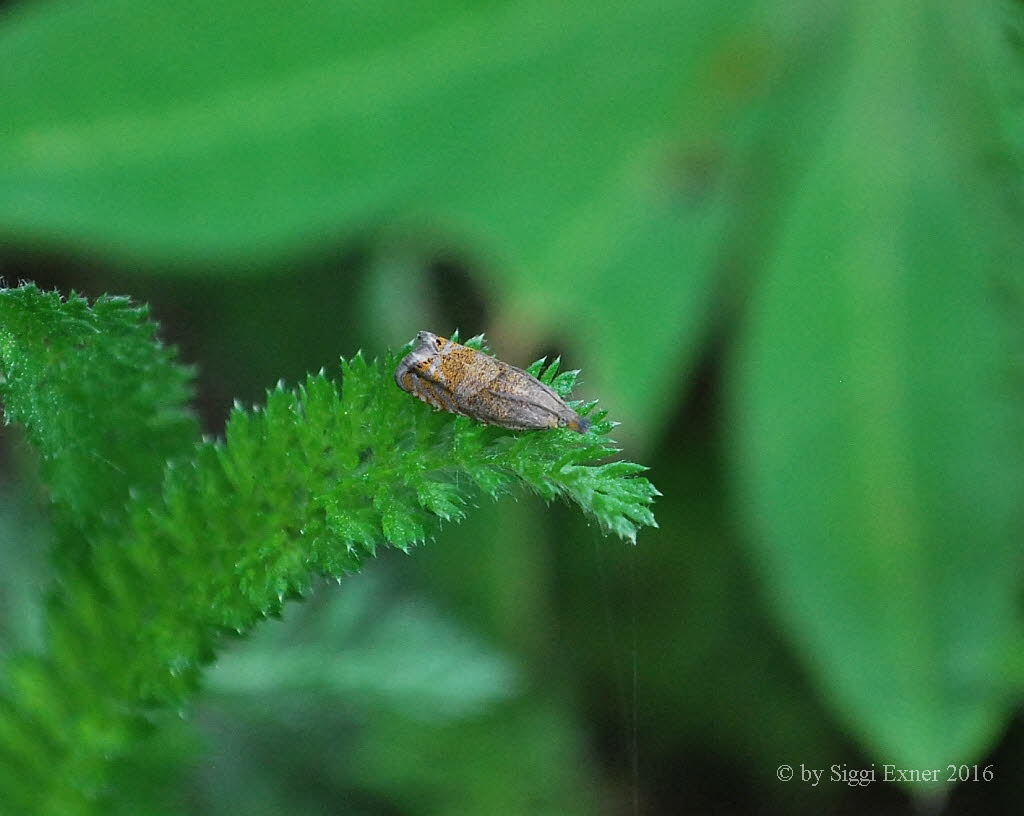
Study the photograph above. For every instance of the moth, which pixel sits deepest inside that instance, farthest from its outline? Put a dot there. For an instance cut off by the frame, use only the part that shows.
(455, 378)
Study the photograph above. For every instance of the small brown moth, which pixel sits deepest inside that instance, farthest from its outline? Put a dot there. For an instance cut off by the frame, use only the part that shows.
(462, 380)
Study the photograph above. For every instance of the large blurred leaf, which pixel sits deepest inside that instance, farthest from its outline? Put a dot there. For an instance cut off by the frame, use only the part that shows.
(548, 133)
(387, 703)
(367, 649)
(878, 421)
(246, 126)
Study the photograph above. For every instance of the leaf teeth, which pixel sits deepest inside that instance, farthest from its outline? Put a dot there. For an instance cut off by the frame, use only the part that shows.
(552, 371)
(535, 368)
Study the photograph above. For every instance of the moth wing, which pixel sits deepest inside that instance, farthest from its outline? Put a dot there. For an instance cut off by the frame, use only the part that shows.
(521, 401)
(522, 387)
(497, 406)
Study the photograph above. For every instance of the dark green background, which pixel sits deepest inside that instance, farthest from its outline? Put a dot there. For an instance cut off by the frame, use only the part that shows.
(782, 241)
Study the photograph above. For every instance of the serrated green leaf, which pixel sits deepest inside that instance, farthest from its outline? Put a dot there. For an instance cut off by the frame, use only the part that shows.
(101, 400)
(549, 373)
(312, 482)
(565, 382)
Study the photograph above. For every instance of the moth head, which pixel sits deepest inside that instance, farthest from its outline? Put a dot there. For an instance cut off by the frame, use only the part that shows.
(424, 358)
(429, 342)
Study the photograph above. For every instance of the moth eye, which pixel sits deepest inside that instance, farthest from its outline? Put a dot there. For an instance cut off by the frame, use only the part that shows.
(422, 365)
(440, 342)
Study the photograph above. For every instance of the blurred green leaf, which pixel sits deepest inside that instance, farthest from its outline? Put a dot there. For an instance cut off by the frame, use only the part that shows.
(546, 135)
(290, 754)
(24, 575)
(375, 677)
(647, 304)
(878, 412)
(189, 131)
(364, 648)
(525, 759)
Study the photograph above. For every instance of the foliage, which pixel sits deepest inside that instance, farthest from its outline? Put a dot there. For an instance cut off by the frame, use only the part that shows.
(362, 115)
(877, 390)
(103, 359)
(822, 199)
(215, 535)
